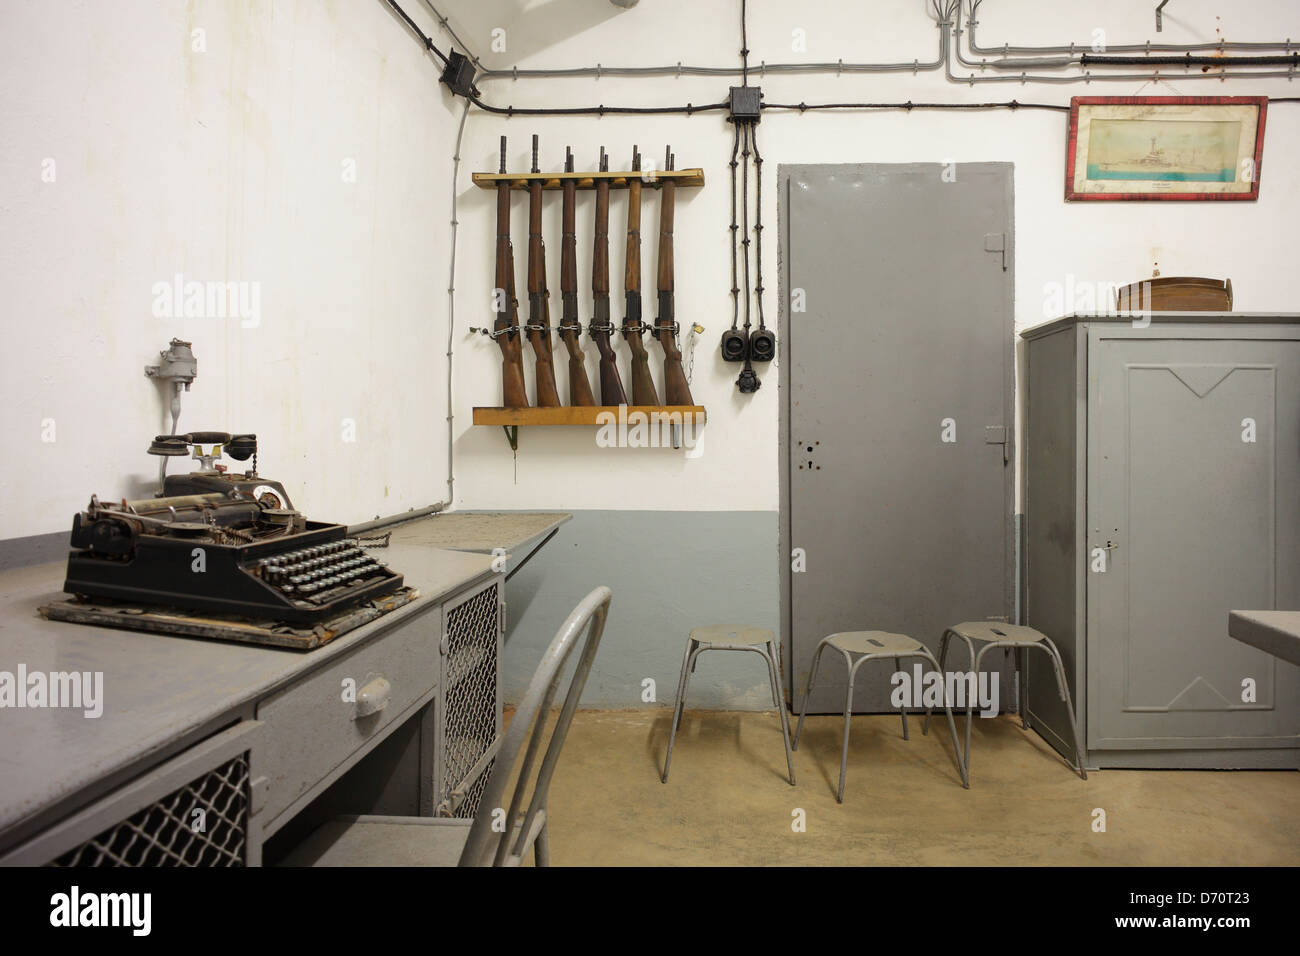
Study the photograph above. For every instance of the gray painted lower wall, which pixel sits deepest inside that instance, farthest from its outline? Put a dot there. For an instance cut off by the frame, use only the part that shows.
(670, 571)
(36, 549)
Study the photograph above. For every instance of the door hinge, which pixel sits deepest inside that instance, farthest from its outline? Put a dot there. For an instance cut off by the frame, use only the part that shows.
(259, 787)
(997, 242)
(997, 435)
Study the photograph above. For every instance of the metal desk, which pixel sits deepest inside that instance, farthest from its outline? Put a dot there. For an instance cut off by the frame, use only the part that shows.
(503, 533)
(173, 706)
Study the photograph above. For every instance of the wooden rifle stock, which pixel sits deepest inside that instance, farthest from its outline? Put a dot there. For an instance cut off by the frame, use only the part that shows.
(570, 329)
(611, 385)
(539, 298)
(505, 328)
(676, 389)
(643, 386)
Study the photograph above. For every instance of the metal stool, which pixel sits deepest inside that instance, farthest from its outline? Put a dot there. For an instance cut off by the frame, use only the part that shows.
(755, 639)
(1010, 636)
(869, 645)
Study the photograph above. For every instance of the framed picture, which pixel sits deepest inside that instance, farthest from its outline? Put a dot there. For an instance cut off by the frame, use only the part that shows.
(1164, 147)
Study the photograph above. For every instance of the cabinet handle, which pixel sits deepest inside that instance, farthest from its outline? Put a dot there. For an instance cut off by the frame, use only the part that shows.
(373, 697)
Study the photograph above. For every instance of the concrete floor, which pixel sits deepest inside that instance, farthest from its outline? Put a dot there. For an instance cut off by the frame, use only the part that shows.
(727, 801)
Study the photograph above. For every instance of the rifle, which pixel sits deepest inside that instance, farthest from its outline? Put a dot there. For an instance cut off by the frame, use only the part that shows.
(505, 329)
(643, 386)
(611, 386)
(570, 328)
(539, 297)
(676, 389)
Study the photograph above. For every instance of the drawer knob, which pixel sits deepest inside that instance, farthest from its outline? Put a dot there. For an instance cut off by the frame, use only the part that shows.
(373, 697)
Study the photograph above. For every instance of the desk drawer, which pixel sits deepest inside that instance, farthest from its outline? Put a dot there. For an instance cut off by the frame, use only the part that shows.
(314, 726)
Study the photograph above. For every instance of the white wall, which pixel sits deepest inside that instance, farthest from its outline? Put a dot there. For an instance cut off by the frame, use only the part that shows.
(222, 165)
(226, 165)
(1249, 242)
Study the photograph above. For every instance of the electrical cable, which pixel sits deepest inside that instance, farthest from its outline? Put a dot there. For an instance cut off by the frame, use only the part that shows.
(744, 213)
(601, 110)
(758, 224)
(735, 288)
(1093, 59)
(748, 381)
(909, 106)
(744, 47)
(952, 21)
(426, 40)
(442, 22)
(690, 108)
(451, 308)
(1007, 48)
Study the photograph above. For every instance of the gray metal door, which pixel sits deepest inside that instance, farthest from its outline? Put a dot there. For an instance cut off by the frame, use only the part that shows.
(898, 363)
(1191, 513)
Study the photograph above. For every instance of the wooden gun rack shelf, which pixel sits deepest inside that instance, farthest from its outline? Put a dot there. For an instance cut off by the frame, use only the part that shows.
(650, 179)
(581, 414)
(511, 418)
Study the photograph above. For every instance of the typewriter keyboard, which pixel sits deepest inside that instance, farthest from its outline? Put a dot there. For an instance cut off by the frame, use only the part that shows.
(316, 573)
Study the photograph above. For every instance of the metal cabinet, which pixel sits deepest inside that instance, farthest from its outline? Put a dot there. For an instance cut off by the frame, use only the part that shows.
(1162, 490)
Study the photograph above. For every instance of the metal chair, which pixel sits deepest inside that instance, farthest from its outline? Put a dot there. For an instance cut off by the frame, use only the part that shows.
(701, 639)
(1010, 636)
(432, 841)
(870, 645)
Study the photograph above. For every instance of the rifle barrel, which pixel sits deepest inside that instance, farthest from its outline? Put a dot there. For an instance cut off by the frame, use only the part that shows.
(506, 324)
(611, 385)
(677, 390)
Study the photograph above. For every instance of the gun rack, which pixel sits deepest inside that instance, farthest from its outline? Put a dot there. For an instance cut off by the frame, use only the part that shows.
(511, 418)
(650, 179)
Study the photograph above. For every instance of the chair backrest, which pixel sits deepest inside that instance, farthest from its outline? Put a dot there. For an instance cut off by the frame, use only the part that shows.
(488, 845)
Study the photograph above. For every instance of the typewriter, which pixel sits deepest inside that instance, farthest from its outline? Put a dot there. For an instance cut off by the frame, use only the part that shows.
(221, 542)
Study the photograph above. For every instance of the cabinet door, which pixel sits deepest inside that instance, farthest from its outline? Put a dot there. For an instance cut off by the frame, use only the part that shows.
(469, 698)
(1192, 510)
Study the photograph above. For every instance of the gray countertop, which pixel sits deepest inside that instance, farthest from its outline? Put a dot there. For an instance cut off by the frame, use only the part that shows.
(157, 689)
(1276, 632)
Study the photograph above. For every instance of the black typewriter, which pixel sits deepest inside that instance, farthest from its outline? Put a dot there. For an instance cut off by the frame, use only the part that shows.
(221, 542)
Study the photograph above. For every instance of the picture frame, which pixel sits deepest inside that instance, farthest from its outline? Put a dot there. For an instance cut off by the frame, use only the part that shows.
(1190, 148)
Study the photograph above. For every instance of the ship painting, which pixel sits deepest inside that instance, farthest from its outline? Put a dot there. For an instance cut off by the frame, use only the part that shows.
(1171, 151)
